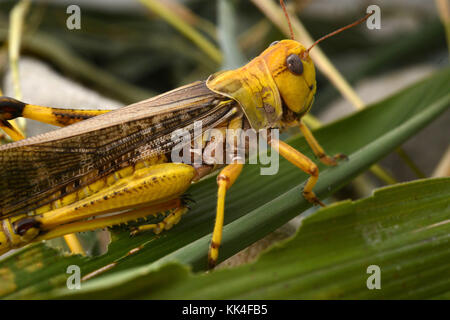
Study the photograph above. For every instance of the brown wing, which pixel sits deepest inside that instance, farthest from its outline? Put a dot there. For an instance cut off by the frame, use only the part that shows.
(33, 169)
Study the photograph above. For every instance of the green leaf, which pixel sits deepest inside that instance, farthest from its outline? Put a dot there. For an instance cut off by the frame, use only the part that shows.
(232, 56)
(256, 205)
(403, 230)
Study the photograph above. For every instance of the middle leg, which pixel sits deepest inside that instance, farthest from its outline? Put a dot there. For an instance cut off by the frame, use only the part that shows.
(305, 164)
(225, 180)
(317, 148)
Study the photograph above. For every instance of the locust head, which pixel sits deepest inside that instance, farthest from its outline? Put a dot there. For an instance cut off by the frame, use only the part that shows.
(293, 73)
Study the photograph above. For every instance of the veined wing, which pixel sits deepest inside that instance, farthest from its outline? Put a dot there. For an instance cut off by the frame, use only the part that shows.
(33, 169)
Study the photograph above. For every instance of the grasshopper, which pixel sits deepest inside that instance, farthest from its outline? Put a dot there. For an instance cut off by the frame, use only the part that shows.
(102, 162)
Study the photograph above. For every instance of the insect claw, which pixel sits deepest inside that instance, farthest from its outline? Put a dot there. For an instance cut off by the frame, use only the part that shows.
(319, 203)
(211, 264)
(312, 198)
(341, 156)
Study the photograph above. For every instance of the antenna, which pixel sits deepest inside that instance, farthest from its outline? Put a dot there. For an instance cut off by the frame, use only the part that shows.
(339, 31)
(287, 18)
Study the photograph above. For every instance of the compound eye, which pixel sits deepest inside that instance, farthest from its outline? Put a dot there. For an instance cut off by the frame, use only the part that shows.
(274, 43)
(294, 64)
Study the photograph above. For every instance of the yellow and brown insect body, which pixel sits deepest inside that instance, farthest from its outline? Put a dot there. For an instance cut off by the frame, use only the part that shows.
(50, 184)
(35, 169)
(254, 88)
(146, 182)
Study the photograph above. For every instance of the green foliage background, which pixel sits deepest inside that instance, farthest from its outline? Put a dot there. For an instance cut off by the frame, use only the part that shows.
(403, 228)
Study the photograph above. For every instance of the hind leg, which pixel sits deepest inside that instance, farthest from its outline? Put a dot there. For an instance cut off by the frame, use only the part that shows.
(144, 191)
